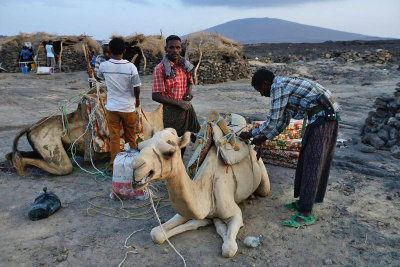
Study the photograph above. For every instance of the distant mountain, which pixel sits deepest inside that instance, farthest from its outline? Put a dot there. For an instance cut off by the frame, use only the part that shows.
(267, 30)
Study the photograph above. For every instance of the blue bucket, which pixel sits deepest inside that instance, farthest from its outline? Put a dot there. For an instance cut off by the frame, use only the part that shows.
(24, 69)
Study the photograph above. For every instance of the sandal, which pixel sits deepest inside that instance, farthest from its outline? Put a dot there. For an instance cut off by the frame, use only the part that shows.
(293, 205)
(293, 223)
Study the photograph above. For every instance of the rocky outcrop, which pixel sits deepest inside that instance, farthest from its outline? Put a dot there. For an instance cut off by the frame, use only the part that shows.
(382, 127)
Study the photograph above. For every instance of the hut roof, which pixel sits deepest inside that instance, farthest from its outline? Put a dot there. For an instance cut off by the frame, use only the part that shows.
(155, 44)
(38, 38)
(211, 44)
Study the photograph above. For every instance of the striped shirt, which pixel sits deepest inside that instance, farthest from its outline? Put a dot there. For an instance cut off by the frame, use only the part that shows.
(121, 77)
(174, 88)
(290, 98)
(99, 59)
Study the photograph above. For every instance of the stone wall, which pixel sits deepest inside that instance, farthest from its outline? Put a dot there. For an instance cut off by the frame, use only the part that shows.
(382, 127)
(151, 62)
(216, 70)
(377, 56)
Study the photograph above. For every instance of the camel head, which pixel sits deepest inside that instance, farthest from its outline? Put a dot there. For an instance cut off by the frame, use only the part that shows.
(158, 157)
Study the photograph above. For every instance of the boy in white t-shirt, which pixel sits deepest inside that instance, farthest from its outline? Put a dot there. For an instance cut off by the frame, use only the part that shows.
(123, 90)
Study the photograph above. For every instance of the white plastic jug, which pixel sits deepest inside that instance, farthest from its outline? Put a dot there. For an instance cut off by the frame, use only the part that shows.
(123, 175)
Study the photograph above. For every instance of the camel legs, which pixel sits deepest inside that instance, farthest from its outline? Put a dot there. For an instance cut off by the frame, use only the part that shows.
(264, 188)
(228, 232)
(53, 157)
(176, 225)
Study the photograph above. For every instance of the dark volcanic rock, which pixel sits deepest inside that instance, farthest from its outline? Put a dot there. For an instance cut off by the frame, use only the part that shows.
(373, 140)
(395, 151)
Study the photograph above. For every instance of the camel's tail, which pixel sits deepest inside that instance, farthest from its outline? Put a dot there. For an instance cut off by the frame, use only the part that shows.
(18, 136)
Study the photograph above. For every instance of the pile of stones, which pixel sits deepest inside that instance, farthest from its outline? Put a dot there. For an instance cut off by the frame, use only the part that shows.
(217, 70)
(382, 127)
(377, 56)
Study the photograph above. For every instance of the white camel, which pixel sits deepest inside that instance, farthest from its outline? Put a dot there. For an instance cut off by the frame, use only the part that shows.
(212, 195)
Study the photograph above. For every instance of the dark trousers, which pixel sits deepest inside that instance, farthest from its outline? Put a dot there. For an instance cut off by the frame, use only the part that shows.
(314, 163)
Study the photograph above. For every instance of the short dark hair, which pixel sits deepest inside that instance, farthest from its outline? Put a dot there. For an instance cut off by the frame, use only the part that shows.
(50, 41)
(262, 75)
(117, 46)
(172, 37)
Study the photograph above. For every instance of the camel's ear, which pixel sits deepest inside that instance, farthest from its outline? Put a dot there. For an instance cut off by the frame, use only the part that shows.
(184, 140)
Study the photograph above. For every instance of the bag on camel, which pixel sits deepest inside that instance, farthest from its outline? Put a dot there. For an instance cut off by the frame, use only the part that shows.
(123, 177)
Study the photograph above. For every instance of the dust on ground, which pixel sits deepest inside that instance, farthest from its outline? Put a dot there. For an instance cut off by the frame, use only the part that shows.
(358, 224)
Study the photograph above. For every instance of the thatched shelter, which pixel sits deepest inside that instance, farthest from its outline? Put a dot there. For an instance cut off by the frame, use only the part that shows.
(216, 58)
(144, 51)
(70, 48)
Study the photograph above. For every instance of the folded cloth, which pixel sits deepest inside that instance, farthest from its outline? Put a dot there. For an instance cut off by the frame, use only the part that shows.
(281, 154)
(289, 144)
(292, 131)
(170, 73)
(292, 163)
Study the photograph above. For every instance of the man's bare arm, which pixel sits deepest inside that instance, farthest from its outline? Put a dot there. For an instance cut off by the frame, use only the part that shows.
(158, 97)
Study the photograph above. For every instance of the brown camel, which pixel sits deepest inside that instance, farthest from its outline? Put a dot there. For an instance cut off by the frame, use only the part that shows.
(50, 143)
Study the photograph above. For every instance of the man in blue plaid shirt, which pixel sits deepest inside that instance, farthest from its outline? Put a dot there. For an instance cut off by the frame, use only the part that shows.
(299, 98)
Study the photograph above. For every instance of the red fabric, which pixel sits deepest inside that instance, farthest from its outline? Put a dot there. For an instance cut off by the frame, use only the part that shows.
(173, 88)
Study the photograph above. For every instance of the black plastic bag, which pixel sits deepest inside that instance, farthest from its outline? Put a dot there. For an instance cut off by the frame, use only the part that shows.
(45, 205)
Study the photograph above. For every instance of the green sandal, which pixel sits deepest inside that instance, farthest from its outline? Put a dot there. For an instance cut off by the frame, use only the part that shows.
(292, 222)
(292, 205)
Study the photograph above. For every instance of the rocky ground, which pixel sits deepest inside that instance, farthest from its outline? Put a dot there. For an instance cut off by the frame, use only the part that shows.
(358, 224)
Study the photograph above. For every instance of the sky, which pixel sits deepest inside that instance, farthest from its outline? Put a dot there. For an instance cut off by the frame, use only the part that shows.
(101, 19)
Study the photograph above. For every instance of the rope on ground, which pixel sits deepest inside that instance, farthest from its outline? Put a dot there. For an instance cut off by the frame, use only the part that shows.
(123, 211)
(125, 246)
(162, 229)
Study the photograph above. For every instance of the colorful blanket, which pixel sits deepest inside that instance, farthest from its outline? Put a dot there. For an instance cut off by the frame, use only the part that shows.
(284, 149)
(101, 137)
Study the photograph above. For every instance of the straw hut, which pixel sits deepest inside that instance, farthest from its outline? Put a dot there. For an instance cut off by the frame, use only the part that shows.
(69, 48)
(216, 58)
(144, 51)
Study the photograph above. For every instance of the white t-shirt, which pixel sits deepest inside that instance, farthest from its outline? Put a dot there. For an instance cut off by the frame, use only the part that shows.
(49, 51)
(121, 77)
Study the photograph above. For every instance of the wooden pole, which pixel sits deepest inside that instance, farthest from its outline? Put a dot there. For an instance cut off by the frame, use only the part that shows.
(198, 64)
(59, 58)
(90, 70)
(134, 58)
(145, 61)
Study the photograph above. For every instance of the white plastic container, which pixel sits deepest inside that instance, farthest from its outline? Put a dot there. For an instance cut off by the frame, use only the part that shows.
(44, 70)
(123, 175)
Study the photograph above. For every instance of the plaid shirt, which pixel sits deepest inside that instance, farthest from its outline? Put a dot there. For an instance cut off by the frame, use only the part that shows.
(174, 88)
(290, 98)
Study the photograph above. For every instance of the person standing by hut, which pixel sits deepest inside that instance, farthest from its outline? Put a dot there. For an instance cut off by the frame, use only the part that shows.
(300, 98)
(50, 54)
(123, 90)
(172, 87)
(25, 56)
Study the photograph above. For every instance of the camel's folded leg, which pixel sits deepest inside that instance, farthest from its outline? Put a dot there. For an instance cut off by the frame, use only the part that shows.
(54, 159)
(229, 248)
(177, 229)
(264, 188)
(156, 233)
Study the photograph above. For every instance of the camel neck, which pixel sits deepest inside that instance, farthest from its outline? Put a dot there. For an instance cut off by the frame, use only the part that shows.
(189, 198)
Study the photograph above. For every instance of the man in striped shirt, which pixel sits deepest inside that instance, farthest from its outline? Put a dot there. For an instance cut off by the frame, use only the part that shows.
(101, 58)
(299, 98)
(172, 87)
